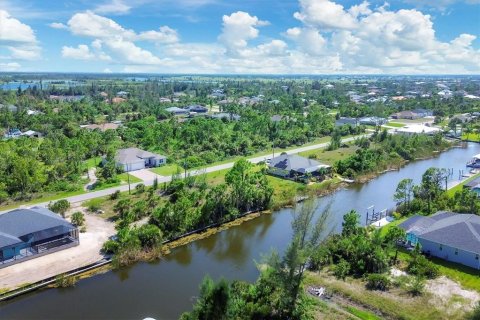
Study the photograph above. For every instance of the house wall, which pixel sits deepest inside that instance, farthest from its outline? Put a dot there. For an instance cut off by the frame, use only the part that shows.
(450, 254)
(278, 172)
(10, 252)
(132, 166)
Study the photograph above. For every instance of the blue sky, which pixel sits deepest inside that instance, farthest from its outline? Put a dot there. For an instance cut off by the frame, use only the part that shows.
(249, 36)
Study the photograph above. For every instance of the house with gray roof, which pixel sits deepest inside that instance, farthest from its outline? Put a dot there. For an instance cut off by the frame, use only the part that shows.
(29, 233)
(176, 111)
(447, 235)
(131, 159)
(295, 167)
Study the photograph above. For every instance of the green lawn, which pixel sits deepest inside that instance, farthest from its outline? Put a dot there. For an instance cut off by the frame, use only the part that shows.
(467, 277)
(451, 192)
(364, 315)
(44, 198)
(395, 124)
(330, 157)
(167, 170)
(93, 162)
(123, 179)
(471, 137)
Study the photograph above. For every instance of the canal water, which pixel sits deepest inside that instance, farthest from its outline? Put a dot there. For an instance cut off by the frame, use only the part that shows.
(165, 288)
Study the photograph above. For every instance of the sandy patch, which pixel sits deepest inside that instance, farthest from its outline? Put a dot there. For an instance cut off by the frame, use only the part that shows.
(448, 294)
(91, 242)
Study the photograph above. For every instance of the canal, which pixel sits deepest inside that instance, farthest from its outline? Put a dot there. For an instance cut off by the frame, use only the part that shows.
(165, 288)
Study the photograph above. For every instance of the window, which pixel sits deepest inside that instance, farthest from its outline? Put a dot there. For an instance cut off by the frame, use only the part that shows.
(441, 248)
(456, 252)
(476, 257)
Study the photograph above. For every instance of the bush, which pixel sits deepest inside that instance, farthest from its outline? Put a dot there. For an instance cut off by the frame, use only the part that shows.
(60, 207)
(475, 315)
(111, 246)
(376, 281)
(94, 205)
(149, 235)
(78, 219)
(140, 188)
(421, 266)
(64, 281)
(417, 286)
(341, 269)
(115, 195)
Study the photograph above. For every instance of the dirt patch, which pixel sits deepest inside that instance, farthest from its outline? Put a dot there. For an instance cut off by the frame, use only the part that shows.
(448, 294)
(88, 252)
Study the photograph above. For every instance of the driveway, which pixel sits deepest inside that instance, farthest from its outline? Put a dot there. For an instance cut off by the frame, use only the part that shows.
(145, 175)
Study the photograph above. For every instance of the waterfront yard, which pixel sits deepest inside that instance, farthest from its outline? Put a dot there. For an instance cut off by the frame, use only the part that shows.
(475, 137)
(332, 156)
(87, 252)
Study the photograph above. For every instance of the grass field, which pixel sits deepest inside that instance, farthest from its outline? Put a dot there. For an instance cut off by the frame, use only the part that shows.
(330, 157)
(167, 170)
(395, 124)
(451, 192)
(471, 137)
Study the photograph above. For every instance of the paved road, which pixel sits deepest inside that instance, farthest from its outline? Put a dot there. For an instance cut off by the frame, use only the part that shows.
(162, 179)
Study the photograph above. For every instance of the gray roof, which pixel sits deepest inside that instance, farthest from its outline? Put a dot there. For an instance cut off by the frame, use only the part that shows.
(456, 230)
(472, 184)
(296, 163)
(20, 222)
(176, 110)
(133, 155)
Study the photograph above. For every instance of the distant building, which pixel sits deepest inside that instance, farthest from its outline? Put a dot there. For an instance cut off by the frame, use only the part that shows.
(372, 121)
(122, 94)
(343, 121)
(176, 110)
(197, 108)
(132, 159)
(165, 100)
(412, 129)
(10, 107)
(12, 134)
(406, 115)
(295, 167)
(32, 134)
(30, 233)
(447, 235)
(118, 100)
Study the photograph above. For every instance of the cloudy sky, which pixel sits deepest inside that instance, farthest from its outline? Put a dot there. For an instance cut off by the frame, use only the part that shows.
(241, 36)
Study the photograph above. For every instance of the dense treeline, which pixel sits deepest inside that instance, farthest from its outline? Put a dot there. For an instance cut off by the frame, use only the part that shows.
(191, 205)
(53, 163)
(382, 151)
(431, 196)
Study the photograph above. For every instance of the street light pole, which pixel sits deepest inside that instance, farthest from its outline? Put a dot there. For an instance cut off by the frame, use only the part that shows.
(128, 178)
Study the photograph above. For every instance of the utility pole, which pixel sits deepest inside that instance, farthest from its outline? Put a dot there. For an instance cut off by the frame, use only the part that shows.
(128, 178)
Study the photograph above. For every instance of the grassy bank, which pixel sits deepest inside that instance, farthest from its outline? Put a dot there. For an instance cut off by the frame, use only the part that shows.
(475, 137)
(394, 304)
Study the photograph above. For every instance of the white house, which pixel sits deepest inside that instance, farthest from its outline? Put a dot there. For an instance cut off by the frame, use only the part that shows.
(131, 159)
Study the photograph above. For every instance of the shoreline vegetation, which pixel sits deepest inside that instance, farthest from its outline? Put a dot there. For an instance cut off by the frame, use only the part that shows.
(281, 198)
